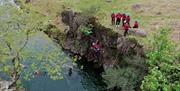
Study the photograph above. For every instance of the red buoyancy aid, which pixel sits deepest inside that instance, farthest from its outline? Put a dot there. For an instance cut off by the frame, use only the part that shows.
(126, 26)
(124, 16)
(128, 18)
(136, 24)
(113, 15)
(96, 45)
(119, 15)
(37, 72)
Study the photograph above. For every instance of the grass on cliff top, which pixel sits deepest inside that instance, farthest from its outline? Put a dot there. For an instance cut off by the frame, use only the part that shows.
(151, 13)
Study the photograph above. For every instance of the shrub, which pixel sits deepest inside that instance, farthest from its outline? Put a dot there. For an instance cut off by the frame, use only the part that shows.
(127, 77)
(163, 70)
(86, 30)
(124, 78)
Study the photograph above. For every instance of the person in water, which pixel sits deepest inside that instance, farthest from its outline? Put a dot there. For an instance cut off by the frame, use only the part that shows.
(70, 71)
(37, 72)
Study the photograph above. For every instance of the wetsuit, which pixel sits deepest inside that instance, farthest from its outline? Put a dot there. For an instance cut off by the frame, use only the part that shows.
(128, 18)
(123, 19)
(113, 16)
(136, 24)
(126, 28)
(118, 19)
(97, 47)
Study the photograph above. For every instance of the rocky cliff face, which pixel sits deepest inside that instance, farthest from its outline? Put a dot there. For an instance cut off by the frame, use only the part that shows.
(113, 46)
(7, 86)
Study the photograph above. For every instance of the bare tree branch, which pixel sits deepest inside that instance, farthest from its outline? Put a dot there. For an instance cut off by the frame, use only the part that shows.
(27, 38)
(8, 45)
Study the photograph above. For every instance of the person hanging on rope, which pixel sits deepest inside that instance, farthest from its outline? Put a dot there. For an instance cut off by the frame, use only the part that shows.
(96, 46)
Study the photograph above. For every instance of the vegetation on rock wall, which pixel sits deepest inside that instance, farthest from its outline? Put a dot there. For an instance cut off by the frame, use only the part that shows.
(127, 76)
(86, 30)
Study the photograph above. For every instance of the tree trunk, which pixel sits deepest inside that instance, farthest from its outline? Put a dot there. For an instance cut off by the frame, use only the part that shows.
(15, 76)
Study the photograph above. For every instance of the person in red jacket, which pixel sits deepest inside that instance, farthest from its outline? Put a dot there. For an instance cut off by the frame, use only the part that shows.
(113, 16)
(123, 18)
(128, 18)
(126, 29)
(136, 24)
(118, 19)
(37, 72)
(96, 46)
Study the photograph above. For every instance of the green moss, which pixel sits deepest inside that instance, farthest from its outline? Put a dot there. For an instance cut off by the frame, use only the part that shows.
(86, 30)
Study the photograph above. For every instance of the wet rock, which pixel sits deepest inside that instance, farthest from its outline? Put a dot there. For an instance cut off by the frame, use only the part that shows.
(4, 86)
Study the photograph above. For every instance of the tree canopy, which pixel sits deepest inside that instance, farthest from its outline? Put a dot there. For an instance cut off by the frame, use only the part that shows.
(17, 59)
(163, 64)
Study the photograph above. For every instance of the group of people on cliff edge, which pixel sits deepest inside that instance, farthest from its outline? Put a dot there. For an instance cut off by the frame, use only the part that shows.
(116, 19)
